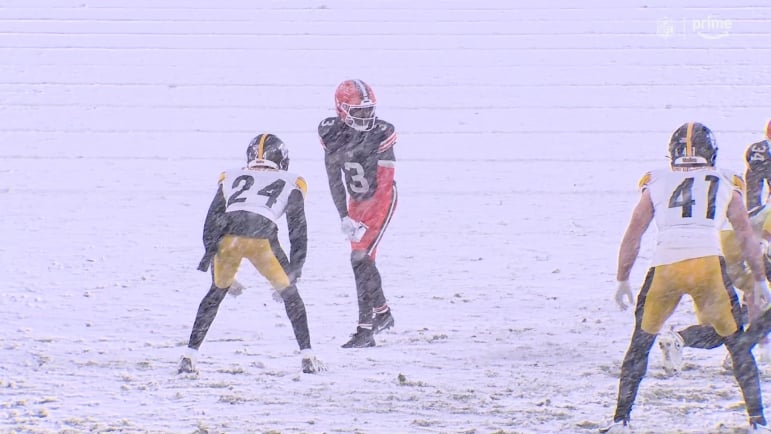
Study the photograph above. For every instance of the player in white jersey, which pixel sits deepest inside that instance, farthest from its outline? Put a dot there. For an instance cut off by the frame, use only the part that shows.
(242, 222)
(689, 204)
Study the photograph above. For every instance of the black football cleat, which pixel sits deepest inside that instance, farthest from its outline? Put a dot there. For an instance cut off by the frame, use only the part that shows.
(382, 321)
(363, 338)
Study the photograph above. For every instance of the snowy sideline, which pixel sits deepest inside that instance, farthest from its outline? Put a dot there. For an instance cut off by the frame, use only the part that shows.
(523, 131)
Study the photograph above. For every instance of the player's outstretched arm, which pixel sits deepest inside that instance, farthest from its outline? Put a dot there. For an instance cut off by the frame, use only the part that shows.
(336, 186)
(750, 245)
(748, 241)
(630, 248)
(630, 244)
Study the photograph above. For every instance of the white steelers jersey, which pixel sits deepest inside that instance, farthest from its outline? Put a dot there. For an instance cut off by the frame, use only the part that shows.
(262, 191)
(689, 210)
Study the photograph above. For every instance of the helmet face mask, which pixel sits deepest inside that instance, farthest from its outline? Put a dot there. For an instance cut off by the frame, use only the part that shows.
(692, 145)
(267, 151)
(359, 117)
(355, 103)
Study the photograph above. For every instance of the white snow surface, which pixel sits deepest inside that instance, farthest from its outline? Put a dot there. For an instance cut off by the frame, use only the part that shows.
(523, 128)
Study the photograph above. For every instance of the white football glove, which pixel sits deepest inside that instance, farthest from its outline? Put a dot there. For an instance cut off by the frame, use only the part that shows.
(623, 291)
(352, 229)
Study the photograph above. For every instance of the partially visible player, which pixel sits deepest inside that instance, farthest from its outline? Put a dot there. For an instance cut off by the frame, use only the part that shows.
(758, 176)
(242, 222)
(689, 203)
(758, 173)
(360, 163)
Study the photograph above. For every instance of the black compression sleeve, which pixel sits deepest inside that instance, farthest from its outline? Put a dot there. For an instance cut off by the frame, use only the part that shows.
(298, 230)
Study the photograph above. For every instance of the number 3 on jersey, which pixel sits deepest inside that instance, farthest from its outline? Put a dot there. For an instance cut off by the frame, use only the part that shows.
(355, 173)
(683, 198)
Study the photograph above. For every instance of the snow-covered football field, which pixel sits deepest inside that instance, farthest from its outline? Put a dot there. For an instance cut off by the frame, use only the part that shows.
(523, 131)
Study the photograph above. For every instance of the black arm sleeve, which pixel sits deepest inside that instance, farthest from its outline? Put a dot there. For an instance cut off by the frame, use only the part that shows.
(758, 173)
(754, 181)
(213, 228)
(336, 186)
(298, 230)
(755, 176)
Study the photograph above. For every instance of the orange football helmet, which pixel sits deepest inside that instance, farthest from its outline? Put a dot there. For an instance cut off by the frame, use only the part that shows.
(355, 104)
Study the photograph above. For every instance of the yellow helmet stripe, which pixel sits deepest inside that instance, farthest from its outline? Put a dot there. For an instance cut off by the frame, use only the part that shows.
(261, 146)
(689, 140)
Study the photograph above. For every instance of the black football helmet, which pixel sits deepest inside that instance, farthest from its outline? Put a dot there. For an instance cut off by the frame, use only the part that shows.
(267, 150)
(692, 145)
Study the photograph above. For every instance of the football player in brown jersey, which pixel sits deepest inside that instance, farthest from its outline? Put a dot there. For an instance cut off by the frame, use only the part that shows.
(758, 173)
(359, 159)
(242, 222)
